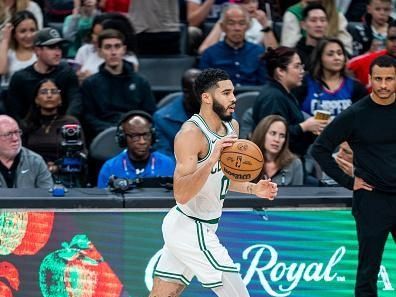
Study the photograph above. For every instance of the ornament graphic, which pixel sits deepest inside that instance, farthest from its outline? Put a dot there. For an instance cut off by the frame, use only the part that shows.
(78, 270)
(24, 233)
(9, 273)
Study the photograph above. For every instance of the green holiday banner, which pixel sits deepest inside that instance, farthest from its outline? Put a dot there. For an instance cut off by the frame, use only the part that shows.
(280, 252)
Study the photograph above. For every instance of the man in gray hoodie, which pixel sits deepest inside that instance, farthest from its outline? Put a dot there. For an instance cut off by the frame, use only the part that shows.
(20, 167)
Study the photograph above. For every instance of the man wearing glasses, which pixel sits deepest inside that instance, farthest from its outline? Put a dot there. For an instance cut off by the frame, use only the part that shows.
(135, 132)
(19, 167)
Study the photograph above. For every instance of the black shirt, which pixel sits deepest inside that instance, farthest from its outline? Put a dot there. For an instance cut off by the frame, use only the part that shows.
(275, 99)
(369, 128)
(10, 174)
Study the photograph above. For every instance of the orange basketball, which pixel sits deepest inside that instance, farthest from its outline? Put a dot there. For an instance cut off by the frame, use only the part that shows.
(242, 161)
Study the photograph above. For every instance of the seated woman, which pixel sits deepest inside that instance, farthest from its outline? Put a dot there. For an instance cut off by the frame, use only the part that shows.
(281, 166)
(285, 72)
(8, 8)
(76, 27)
(43, 131)
(17, 43)
(327, 85)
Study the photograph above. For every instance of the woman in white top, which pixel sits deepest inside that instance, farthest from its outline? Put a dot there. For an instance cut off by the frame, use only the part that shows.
(17, 42)
(10, 7)
(88, 58)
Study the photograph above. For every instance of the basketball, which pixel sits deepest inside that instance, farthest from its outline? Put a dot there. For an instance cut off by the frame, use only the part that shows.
(242, 161)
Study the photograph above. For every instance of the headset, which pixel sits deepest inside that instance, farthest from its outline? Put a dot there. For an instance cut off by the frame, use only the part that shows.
(120, 135)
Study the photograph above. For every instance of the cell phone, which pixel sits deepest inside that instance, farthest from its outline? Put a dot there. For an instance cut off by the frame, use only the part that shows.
(74, 64)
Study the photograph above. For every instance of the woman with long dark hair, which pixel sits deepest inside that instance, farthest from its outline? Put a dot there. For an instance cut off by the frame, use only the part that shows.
(281, 165)
(42, 127)
(327, 86)
(17, 46)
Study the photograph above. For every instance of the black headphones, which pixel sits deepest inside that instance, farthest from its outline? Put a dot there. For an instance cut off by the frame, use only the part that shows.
(120, 135)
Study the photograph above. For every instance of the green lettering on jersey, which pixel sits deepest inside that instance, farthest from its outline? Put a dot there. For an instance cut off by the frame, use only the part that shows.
(225, 184)
(216, 168)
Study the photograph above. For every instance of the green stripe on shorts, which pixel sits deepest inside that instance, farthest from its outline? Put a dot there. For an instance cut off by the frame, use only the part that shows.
(208, 254)
(212, 285)
(179, 277)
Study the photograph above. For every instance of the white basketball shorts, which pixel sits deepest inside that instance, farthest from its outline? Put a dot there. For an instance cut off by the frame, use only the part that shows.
(192, 248)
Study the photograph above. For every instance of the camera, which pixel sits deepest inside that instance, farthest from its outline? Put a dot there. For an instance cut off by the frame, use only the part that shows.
(71, 148)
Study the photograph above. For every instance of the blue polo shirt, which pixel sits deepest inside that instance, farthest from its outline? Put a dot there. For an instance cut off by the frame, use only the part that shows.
(243, 64)
(121, 167)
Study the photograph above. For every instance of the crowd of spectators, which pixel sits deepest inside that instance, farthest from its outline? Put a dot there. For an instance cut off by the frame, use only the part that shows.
(84, 70)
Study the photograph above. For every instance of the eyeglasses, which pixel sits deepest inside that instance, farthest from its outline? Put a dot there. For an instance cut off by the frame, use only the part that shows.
(49, 91)
(392, 38)
(136, 136)
(10, 134)
(298, 66)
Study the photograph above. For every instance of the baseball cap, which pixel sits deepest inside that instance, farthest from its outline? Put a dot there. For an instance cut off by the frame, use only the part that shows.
(47, 36)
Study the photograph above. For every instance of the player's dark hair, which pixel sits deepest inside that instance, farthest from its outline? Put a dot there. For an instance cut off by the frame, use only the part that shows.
(208, 79)
(383, 61)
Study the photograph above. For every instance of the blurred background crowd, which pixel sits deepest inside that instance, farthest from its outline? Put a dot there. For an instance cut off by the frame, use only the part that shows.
(97, 88)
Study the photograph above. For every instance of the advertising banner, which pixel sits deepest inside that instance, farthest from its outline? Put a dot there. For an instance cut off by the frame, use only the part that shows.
(280, 252)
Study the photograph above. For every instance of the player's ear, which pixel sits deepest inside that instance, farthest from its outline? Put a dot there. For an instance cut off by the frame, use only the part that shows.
(206, 98)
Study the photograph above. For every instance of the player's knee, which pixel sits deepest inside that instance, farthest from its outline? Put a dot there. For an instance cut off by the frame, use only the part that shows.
(166, 288)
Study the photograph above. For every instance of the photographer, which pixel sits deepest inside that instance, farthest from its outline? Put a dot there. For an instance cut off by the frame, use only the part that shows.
(42, 128)
(135, 133)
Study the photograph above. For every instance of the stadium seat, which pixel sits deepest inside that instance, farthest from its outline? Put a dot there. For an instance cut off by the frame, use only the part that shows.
(244, 101)
(168, 99)
(104, 145)
(165, 73)
(183, 38)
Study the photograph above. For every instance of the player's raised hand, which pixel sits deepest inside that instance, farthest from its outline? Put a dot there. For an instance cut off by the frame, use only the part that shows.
(223, 143)
(266, 189)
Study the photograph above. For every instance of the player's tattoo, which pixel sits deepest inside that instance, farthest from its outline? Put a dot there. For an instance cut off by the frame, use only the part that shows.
(250, 188)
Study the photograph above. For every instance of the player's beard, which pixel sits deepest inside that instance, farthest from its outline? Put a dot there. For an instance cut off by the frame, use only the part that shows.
(221, 111)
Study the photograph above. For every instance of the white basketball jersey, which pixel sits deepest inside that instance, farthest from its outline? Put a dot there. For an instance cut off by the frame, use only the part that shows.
(208, 203)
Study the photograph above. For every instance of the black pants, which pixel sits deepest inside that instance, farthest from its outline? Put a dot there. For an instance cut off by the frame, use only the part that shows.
(375, 216)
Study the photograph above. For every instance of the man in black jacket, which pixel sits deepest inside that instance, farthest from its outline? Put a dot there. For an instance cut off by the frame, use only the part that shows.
(21, 90)
(369, 128)
(315, 23)
(115, 89)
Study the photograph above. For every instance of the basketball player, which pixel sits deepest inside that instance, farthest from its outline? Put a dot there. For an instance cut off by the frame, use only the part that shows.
(192, 247)
(369, 128)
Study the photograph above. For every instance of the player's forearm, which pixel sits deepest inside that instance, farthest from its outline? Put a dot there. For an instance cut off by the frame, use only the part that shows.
(187, 186)
(242, 187)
